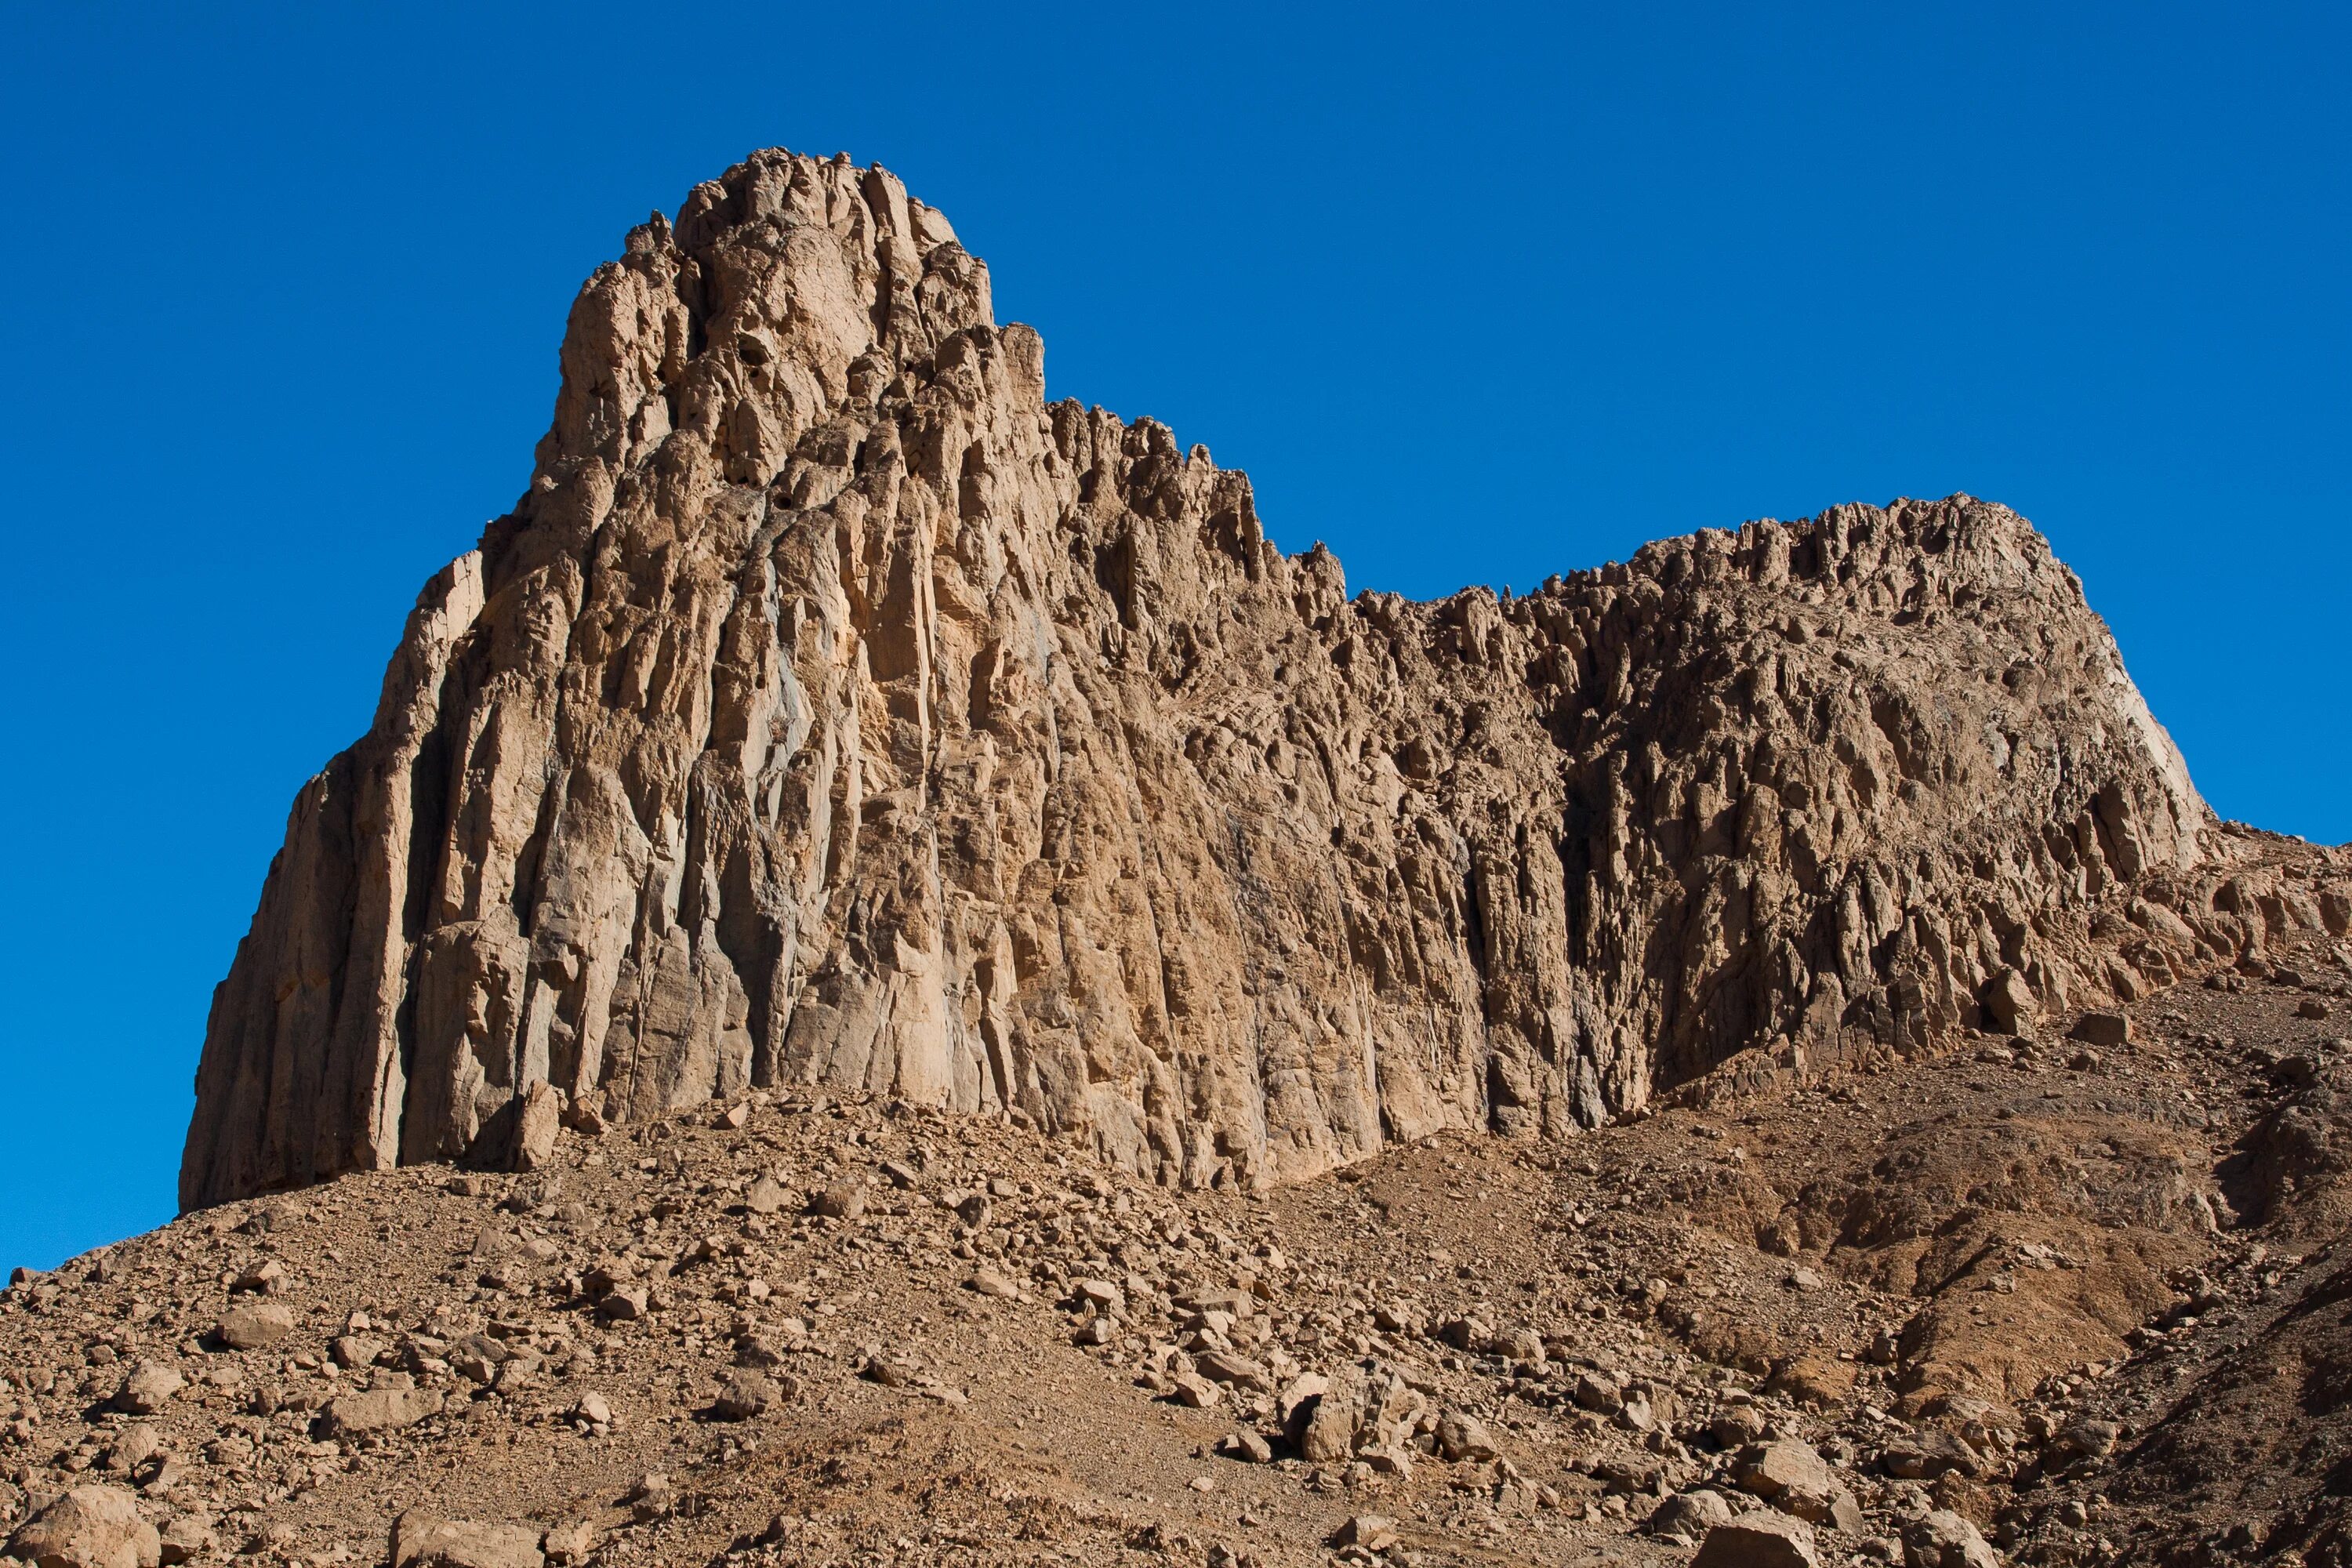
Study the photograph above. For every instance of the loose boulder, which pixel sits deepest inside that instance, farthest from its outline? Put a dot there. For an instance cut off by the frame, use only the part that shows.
(90, 1527)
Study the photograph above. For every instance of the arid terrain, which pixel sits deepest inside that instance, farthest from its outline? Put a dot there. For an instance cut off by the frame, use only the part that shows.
(893, 983)
(2082, 1297)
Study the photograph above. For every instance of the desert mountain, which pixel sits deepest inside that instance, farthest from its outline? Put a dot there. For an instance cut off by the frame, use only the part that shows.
(892, 984)
(833, 711)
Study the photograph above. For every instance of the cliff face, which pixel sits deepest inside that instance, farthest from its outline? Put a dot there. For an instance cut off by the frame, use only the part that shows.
(833, 710)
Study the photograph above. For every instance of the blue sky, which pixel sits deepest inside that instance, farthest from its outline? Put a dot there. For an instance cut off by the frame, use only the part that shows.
(1475, 294)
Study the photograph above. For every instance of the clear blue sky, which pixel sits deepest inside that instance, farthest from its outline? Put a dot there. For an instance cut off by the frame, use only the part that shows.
(1475, 295)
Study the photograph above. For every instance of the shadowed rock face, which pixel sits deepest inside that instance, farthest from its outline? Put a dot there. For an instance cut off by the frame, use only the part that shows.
(832, 710)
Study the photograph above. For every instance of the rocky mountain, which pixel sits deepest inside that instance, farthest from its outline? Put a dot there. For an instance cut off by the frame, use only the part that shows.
(892, 984)
(834, 711)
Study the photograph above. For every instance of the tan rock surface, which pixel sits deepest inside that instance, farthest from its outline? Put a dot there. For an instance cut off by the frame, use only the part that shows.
(832, 711)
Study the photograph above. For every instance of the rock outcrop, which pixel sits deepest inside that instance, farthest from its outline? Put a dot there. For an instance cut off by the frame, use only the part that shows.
(833, 710)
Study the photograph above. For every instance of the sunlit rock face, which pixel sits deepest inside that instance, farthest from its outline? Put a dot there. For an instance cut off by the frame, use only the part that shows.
(833, 710)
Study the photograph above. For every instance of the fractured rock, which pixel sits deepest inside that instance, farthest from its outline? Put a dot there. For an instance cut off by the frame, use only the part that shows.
(1759, 1541)
(807, 561)
(421, 1540)
(90, 1527)
(1942, 1539)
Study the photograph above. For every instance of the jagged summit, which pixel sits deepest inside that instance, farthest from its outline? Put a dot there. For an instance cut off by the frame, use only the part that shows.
(832, 710)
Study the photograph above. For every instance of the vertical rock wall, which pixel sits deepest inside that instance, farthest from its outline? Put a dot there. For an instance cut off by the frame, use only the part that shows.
(833, 710)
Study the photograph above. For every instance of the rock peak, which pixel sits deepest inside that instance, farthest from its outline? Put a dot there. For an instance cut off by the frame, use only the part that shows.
(833, 710)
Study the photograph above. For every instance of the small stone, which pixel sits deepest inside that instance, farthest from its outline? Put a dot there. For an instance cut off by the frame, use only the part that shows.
(1372, 1531)
(571, 1545)
(888, 1372)
(651, 1498)
(1195, 1391)
(842, 1201)
(1250, 1447)
(1759, 1541)
(2311, 1007)
(744, 1392)
(1102, 1294)
(255, 1326)
(1462, 1437)
(592, 1408)
(352, 1351)
(2094, 1438)
(989, 1282)
(269, 1280)
(735, 1118)
(90, 1527)
(148, 1387)
(623, 1304)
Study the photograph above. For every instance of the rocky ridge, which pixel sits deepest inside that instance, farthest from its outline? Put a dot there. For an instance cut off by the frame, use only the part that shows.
(835, 712)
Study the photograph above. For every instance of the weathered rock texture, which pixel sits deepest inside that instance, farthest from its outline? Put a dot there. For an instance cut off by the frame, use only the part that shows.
(831, 709)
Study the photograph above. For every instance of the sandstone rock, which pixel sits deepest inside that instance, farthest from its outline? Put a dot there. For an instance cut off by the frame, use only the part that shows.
(2009, 1004)
(1372, 1531)
(1797, 1480)
(135, 1447)
(767, 1196)
(383, 1409)
(1759, 1541)
(2101, 1030)
(1767, 1469)
(1102, 1294)
(1462, 1437)
(187, 1537)
(254, 1325)
(1337, 1416)
(1941, 1538)
(148, 1387)
(1928, 1453)
(730, 757)
(1689, 1515)
(1250, 1447)
(989, 1282)
(90, 1527)
(1196, 1391)
(624, 1303)
(352, 1352)
(840, 1202)
(422, 1539)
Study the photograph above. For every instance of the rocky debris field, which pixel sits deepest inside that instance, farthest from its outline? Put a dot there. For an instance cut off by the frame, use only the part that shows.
(2074, 1299)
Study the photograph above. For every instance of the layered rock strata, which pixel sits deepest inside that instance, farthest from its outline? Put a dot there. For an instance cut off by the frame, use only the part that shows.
(833, 710)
